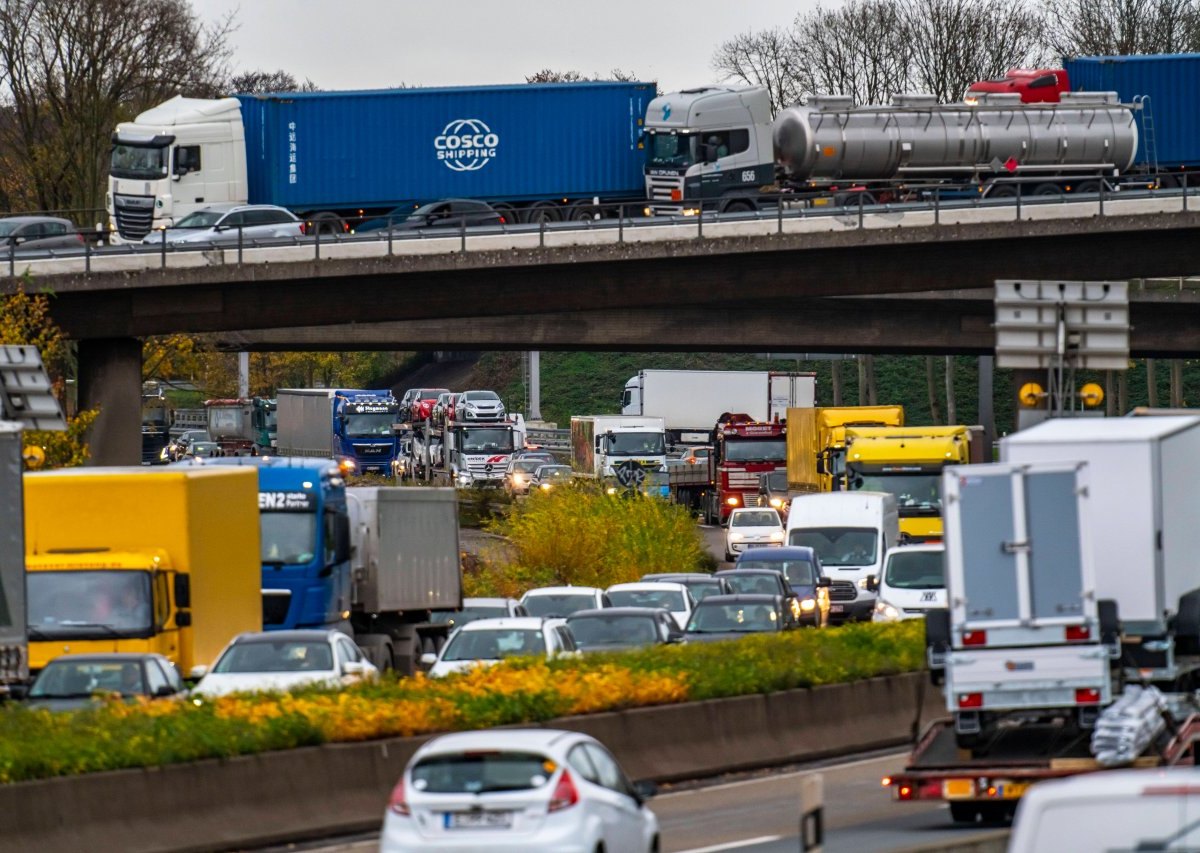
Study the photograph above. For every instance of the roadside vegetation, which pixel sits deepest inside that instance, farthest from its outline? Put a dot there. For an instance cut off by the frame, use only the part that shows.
(38, 744)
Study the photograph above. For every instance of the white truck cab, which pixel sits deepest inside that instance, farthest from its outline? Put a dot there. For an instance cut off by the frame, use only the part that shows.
(172, 160)
(709, 143)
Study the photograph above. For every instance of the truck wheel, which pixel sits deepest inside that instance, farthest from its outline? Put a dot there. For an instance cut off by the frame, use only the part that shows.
(964, 812)
(542, 211)
(1046, 190)
(378, 649)
(741, 206)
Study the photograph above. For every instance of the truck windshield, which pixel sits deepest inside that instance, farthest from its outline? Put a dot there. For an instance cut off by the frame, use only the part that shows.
(483, 440)
(636, 444)
(374, 425)
(915, 493)
(272, 420)
(675, 150)
(839, 546)
(140, 162)
(88, 604)
(916, 570)
(756, 450)
(288, 537)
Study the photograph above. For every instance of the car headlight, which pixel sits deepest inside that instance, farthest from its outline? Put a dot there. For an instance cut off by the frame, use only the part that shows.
(885, 612)
(546, 486)
(808, 604)
(777, 536)
(518, 479)
(463, 478)
(736, 537)
(776, 503)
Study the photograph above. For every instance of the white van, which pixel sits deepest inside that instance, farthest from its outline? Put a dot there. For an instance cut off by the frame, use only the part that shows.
(852, 533)
(913, 582)
(1156, 809)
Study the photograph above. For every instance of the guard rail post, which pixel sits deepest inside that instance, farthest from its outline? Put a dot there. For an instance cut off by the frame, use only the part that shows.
(542, 233)
(779, 216)
(937, 208)
(317, 242)
(87, 256)
(12, 261)
(860, 211)
(1102, 182)
(620, 223)
(241, 232)
(163, 249)
(389, 227)
(1018, 202)
(462, 233)
(700, 220)
(1185, 207)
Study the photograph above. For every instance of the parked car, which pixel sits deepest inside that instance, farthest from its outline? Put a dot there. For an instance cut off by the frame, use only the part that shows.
(546, 477)
(672, 597)
(488, 641)
(616, 628)
(517, 790)
(762, 582)
(561, 601)
(701, 586)
(422, 402)
(913, 582)
(281, 660)
(726, 617)
(474, 609)
(478, 406)
(749, 527)
(28, 234)
(76, 681)
(519, 473)
(801, 568)
(449, 213)
(221, 224)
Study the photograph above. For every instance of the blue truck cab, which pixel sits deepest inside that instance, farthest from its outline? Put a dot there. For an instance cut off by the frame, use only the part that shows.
(362, 428)
(305, 541)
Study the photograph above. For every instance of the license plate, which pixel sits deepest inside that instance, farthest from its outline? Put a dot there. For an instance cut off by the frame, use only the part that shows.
(1010, 790)
(836, 608)
(478, 820)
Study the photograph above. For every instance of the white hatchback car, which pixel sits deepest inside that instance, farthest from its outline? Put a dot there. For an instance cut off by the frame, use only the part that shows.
(559, 602)
(282, 660)
(666, 595)
(488, 641)
(752, 527)
(517, 790)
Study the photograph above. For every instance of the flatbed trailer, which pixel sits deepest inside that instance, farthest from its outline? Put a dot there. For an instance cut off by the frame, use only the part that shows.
(986, 783)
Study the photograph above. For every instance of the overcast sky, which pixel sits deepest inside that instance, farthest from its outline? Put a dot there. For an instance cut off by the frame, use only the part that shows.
(372, 44)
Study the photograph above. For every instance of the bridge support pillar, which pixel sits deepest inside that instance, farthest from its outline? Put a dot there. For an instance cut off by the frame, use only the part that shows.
(110, 379)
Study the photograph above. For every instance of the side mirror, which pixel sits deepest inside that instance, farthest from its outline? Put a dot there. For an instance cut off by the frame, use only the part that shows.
(428, 659)
(353, 667)
(18, 692)
(644, 790)
(183, 591)
(183, 619)
(198, 671)
(872, 583)
(823, 583)
(164, 690)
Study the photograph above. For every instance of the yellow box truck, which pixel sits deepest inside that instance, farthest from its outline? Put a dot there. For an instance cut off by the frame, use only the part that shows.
(816, 441)
(159, 560)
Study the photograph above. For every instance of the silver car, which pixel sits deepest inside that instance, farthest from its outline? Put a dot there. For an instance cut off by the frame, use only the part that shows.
(21, 234)
(220, 224)
(479, 406)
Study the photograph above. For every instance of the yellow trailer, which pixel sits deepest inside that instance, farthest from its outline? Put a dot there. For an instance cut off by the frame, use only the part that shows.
(159, 560)
(816, 441)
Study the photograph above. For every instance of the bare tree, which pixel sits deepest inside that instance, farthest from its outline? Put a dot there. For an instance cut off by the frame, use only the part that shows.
(549, 75)
(1120, 27)
(70, 70)
(766, 58)
(269, 81)
(855, 49)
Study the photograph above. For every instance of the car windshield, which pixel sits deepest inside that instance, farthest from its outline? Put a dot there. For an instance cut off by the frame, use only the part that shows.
(139, 162)
(839, 546)
(288, 537)
(481, 772)
(756, 518)
(701, 590)
(756, 450)
(201, 219)
(798, 572)
(494, 643)
(668, 599)
(374, 425)
(485, 440)
(740, 617)
(270, 655)
(636, 443)
(468, 614)
(671, 149)
(919, 492)
(751, 583)
(7, 228)
(527, 466)
(916, 570)
(554, 472)
(481, 396)
(93, 604)
(560, 604)
(75, 678)
(599, 630)
(777, 481)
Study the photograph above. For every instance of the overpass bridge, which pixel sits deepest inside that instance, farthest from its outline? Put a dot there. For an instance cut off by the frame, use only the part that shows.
(799, 283)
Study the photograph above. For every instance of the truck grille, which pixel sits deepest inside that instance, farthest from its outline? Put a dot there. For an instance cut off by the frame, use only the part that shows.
(371, 449)
(743, 481)
(662, 185)
(134, 215)
(842, 591)
(275, 604)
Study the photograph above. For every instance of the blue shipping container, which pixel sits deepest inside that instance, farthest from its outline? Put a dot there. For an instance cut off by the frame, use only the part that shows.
(394, 147)
(1172, 84)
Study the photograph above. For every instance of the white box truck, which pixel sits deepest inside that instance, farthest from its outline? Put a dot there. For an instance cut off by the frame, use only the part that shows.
(691, 401)
(631, 452)
(1145, 519)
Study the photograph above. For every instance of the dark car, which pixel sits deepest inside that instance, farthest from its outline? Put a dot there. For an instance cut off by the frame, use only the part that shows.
(449, 213)
(727, 617)
(773, 492)
(21, 234)
(70, 682)
(761, 582)
(801, 568)
(616, 628)
(701, 586)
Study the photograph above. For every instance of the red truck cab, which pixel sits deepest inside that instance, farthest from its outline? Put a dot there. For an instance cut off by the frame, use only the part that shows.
(1034, 85)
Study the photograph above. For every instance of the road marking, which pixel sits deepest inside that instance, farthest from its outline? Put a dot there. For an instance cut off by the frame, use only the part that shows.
(775, 777)
(735, 845)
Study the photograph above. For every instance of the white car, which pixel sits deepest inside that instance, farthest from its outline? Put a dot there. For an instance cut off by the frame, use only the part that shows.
(488, 641)
(675, 598)
(752, 527)
(221, 224)
(282, 660)
(913, 582)
(559, 602)
(478, 406)
(517, 790)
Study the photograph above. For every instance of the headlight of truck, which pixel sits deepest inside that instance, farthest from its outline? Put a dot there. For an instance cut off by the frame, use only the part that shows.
(862, 583)
(885, 612)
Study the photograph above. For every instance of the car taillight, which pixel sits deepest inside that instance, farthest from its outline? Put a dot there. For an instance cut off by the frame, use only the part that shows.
(304, 228)
(1087, 696)
(503, 221)
(974, 638)
(564, 795)
(970, 700)
(1077, 633)
(397, 804)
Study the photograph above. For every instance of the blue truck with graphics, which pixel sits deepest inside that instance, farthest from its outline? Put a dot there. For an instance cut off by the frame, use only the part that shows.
(347, 425)
(536, 152)
(373, 562)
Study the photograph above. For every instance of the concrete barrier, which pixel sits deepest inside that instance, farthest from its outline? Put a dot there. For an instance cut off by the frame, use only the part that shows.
(342, 788)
